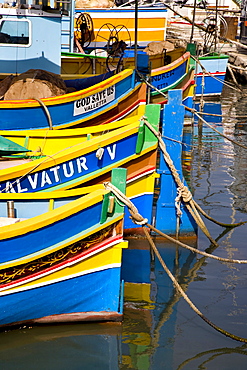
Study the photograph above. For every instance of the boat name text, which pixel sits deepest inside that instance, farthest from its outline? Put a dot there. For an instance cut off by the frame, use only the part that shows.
(94, 101)
(60, 174)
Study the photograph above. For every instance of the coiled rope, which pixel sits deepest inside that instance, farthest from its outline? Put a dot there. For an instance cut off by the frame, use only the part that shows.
(140, 220)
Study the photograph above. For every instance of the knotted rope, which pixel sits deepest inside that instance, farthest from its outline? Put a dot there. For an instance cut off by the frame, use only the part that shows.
(185, 193)
(138, 219)
(183, 190)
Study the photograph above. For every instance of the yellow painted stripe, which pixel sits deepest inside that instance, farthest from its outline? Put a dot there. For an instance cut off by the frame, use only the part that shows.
(46, 133)
(129, 24)
(48, 142)
(105, 259)
(143, 185)
(40, 221)
(61, 99)
(143, 35)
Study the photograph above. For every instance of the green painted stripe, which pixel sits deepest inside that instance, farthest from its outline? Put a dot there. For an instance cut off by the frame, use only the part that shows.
(77, 55)
(216, 56)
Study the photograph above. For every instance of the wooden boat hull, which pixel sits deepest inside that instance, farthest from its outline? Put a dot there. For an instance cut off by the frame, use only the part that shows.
(78, 295)
(132, 146)
(75, 166)
(211, 83)
(83, 64)
(105, 101)
(45, 274)
(177, 75)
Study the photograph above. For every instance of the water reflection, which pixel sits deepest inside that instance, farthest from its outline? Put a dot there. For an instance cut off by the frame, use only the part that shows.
(151, 303)
(211, 356)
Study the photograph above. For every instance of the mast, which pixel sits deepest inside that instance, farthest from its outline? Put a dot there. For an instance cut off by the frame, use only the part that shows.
(216, 26)
(136, 32)
(193, 22)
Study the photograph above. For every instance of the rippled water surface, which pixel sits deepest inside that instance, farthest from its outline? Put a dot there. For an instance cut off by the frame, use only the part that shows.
(160, 330)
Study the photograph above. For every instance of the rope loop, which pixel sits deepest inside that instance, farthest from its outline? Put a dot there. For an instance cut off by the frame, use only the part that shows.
(178, 203)
(135, 215)
(137, 218)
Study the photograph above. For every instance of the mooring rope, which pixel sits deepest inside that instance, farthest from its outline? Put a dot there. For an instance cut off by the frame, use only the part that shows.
(140, 220)
(186, 195)
(214, 129)
(222, 115)
(194, 111)
(216, 78)
(185, 296)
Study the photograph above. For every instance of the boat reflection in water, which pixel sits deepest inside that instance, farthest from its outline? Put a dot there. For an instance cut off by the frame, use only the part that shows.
(150, 301)
(85, 346)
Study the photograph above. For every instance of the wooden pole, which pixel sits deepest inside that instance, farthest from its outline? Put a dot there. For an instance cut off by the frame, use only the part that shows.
(136, 31)
(193, 22)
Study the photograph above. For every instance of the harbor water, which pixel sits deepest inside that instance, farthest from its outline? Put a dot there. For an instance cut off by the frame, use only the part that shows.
(160, 330)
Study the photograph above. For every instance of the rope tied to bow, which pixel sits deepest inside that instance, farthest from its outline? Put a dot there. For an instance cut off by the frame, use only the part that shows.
(184, 193)
(135, 215)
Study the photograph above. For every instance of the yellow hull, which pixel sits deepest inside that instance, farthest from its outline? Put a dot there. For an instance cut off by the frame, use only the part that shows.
(47, 142)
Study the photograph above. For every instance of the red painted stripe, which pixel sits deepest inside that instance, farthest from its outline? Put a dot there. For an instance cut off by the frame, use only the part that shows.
(125, 111)
(184, 58)
(211, 73)
(142, 173)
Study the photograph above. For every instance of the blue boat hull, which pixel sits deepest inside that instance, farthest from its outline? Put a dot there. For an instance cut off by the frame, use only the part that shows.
(96, 292)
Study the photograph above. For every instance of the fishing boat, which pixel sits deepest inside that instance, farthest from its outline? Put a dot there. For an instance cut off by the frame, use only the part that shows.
(179, 74)
(176, 75)
(164, 66)
(96, 99)
(65, 159)
(201, 27)
(105, 100)
(210, 69)
(61, 256)
(211, 73)
(151, 23)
